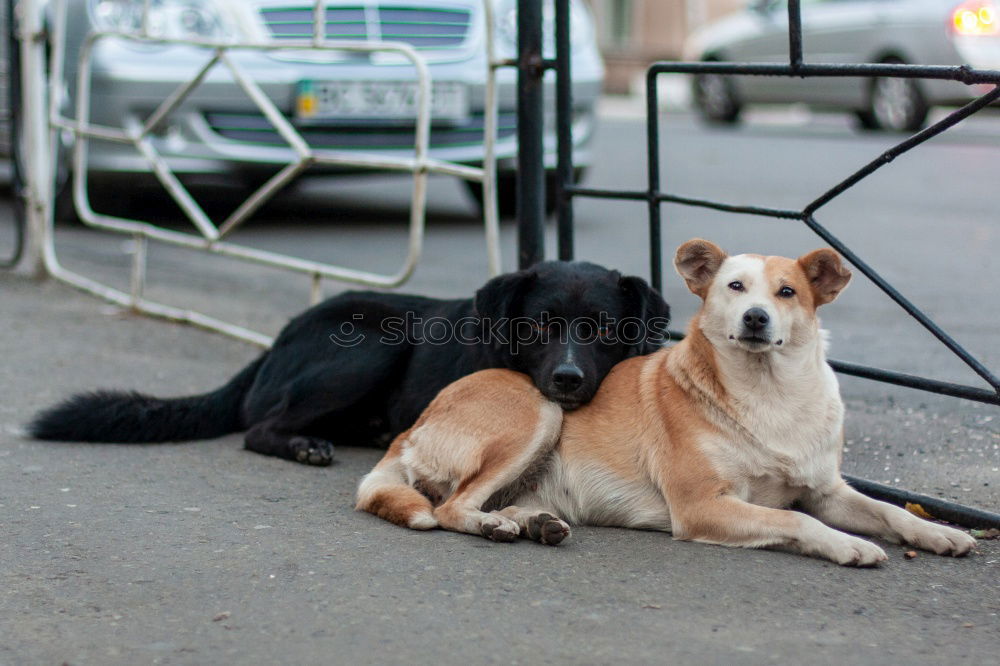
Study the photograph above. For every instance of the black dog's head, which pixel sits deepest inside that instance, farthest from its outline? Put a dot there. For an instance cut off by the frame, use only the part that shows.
(566, 324)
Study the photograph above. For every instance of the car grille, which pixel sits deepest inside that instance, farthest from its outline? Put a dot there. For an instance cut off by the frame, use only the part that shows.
(255, 129)
(420, 27)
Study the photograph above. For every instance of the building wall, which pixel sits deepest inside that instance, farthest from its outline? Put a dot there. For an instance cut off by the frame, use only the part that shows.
(635, 33)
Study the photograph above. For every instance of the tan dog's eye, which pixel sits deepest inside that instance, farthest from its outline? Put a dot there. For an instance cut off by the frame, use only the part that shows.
(736, 285)
(786, 292)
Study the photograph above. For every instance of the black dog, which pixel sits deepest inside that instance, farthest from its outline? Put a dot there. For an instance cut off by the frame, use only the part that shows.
(362, 366)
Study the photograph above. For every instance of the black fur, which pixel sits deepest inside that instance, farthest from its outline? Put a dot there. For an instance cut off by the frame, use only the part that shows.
(131, 417)
(308, 391)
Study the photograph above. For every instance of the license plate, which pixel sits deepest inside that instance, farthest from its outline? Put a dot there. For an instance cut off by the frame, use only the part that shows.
(377, 100)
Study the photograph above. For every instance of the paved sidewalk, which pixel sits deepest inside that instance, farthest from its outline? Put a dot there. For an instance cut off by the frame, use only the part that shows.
(203, 553)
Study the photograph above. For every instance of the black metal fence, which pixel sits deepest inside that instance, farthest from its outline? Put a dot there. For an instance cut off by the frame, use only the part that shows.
(531, 195)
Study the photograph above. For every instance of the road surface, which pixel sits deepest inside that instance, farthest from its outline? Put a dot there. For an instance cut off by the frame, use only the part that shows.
(203, 553)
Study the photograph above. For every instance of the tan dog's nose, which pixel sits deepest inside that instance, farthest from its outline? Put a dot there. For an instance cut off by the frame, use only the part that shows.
(755, 319)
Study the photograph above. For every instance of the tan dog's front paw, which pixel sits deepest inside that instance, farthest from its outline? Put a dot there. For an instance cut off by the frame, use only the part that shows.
(854, 552)
(941, 540)
(498, 528)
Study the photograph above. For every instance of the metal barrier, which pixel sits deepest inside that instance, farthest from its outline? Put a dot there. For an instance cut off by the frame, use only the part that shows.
(532, 250)
(43, 119)
(531, 214)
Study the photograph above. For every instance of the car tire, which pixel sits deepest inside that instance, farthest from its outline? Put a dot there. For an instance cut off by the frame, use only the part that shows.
(865, 121)
(894, 104)
(64, 208)
(715, 99)
(121, 195)
(507, 192)
(114, 197)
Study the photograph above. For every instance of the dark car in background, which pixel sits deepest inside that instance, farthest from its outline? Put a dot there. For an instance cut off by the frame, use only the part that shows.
(923, 32)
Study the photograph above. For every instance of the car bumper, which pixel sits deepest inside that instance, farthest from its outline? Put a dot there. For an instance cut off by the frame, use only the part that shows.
(219, 129)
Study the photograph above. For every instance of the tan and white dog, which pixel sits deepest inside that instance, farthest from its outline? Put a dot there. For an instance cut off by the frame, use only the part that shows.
(713, 439)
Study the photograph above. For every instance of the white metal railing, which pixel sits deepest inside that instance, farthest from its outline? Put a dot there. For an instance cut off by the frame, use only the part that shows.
(43, 120)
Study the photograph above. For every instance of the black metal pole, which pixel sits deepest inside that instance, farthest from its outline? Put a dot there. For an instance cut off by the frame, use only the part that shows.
(958, 350)
(916, 382)
(564, 129)
(530, 120)
(794, 34)
(653, 171)
(966, 516)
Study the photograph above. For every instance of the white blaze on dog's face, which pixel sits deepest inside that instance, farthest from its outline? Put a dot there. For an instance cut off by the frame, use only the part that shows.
(760, 303)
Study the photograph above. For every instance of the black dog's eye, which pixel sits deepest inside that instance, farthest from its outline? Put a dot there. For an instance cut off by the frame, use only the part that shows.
(736, 285)
(786, 292)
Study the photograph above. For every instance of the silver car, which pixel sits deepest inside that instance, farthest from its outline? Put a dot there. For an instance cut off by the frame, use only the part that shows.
(925, 32)
(337, 100)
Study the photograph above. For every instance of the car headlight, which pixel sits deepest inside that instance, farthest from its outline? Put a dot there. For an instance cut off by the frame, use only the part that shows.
(169, 19)
(581, 28)
(976, 18)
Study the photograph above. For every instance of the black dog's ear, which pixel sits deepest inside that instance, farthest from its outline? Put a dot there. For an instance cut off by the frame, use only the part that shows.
(499, 298)
(645, 304)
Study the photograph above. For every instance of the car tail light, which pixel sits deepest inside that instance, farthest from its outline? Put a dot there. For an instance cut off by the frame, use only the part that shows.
(976, 18)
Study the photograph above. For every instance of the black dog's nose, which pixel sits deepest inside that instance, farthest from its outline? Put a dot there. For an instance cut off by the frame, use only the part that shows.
(755, 319)
(567, 378)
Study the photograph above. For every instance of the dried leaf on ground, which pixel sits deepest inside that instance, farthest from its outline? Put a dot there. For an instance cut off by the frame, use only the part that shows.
(918, 510)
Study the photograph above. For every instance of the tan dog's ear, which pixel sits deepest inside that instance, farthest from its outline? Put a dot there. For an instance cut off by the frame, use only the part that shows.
(826, 273)
(697, 261)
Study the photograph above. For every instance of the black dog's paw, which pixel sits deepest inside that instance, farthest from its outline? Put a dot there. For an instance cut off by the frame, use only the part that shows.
(547, 529)
(311, 451)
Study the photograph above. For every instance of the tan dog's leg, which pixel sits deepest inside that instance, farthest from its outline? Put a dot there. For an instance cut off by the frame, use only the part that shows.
(479, 435)
(729, 521)
(537, 524)
(385, 492)
(462, 513)
(504, 458)
(847, 509)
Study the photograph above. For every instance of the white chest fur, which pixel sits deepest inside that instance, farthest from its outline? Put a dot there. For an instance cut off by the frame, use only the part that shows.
(790, 418)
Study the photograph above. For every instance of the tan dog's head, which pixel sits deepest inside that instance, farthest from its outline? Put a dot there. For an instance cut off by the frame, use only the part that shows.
(759, 303)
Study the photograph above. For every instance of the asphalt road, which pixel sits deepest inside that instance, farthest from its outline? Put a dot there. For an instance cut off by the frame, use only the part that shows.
(203, 553)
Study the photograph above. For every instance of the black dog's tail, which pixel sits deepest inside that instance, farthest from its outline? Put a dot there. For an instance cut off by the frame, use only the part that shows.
(129, 417)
